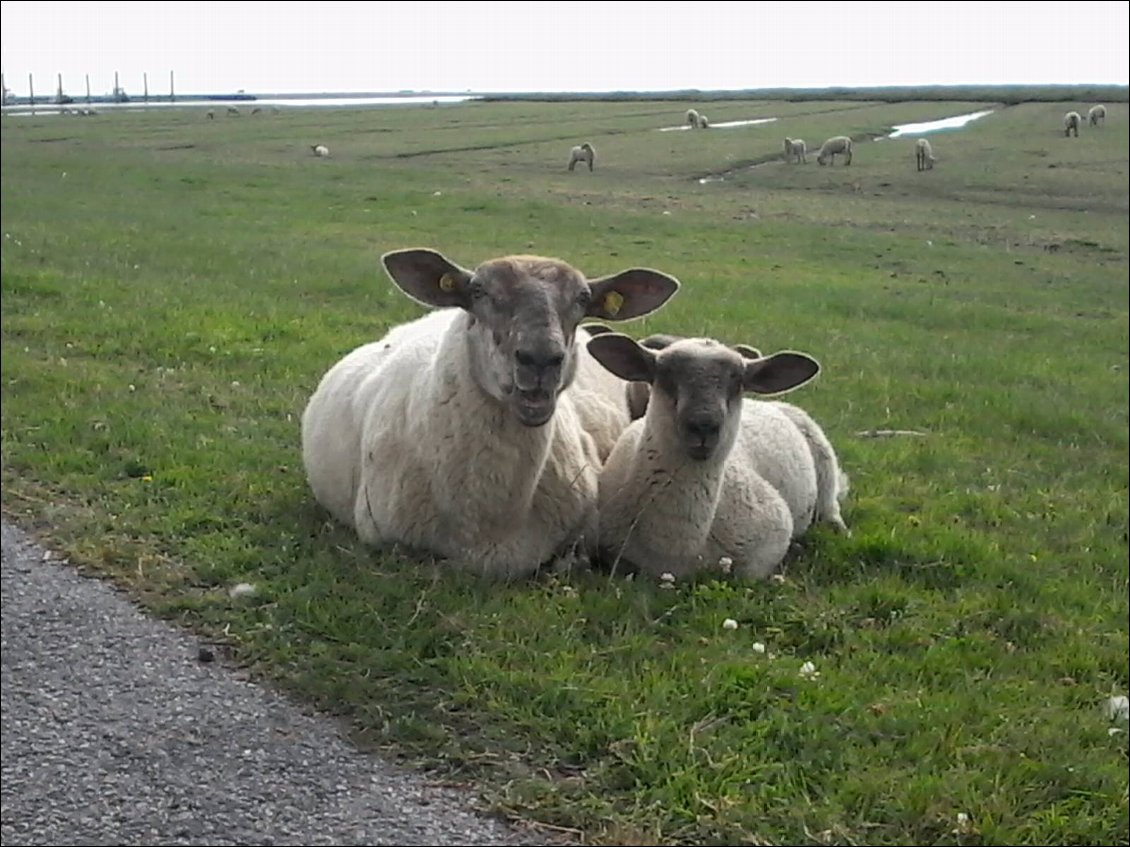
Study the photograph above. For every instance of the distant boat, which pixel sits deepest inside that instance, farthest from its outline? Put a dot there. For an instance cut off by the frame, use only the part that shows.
(238, 96)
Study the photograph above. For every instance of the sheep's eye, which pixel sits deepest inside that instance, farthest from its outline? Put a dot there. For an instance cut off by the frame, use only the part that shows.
(584, 298)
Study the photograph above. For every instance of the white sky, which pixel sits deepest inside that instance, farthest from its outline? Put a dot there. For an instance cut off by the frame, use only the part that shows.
(576, 45)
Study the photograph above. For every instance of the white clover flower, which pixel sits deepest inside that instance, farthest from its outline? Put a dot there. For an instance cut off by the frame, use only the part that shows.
(729, 623)
(808, 671)
(758, 647)
(243, 589)
(726, 564)
(777, 578)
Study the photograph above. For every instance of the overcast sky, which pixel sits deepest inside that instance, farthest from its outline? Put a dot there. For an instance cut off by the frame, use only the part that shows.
(273, 47)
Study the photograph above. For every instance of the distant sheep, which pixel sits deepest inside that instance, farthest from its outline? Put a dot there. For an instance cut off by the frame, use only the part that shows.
(829, 149)
(796, 150)
(458, 434)
(924, 155)
(1071, 123)
(256, 110)
(703, 122)
(692, 118)
(1096, 115)
(707, 474)
(232, 110)
(211, 113)
(320, 150)
(582, 153)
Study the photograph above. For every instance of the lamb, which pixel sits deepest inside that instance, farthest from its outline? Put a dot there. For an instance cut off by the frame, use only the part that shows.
(703, 122)
(458, 434)
(233, 110)
(924, 155)
(320, 150)
(211, 113)
(796, 150)
(706, 474)
(582, 153)
(692, 118)
(831, 482)
(829, 149)
(1096, 115)
(1071, 123)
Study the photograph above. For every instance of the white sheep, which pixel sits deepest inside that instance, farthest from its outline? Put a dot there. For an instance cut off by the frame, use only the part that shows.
(829, 149)
(582, 153)
(1071, 122)
(765, 417)
(320, 150)
(703, 121)
(457, 434)
(796, 150)
(233, 110)
(924, 155)
(692, 118)
(707, 474)
(1096, 115)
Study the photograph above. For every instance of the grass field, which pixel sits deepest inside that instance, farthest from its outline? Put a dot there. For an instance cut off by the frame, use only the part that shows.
(174, 287)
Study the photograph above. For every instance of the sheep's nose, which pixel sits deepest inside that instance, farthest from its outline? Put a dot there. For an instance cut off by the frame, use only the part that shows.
(706, 429)
(539, 360)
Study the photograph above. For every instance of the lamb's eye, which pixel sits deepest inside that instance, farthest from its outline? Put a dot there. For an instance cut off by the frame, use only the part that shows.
(584, 297)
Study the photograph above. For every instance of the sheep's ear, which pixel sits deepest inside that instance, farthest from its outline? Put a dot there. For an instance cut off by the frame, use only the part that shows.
(747, 352)
(638, 394)
(779, 373)
(623, 357)
(429, 277)
(630, 294)
(596, 329)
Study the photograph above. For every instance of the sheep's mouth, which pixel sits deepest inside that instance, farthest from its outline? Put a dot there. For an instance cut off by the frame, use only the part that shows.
(534, 408)
(700, 452)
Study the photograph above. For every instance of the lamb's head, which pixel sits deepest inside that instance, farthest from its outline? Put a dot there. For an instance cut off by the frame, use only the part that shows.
(697, 384)
(523, 317)
(639, 392)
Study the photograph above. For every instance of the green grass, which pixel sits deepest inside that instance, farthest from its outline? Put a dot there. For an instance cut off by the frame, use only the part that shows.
(173, 289)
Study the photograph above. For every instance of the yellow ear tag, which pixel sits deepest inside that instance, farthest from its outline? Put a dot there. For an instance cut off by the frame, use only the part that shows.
(613, 300)
(447, 282)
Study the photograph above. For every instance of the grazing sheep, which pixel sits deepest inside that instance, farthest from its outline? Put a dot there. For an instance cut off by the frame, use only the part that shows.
(211, 113)
(1096, 115)
(256, 110)
(703, 123)
(1071, 123)
(707, 474)
(924, 155)
(796, 150)
(232, 110)
(829, 149)
(320, 150)
(458, 434)
(582, 153)
(692, 118)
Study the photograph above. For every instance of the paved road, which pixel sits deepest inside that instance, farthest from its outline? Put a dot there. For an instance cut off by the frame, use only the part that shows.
(113, 733)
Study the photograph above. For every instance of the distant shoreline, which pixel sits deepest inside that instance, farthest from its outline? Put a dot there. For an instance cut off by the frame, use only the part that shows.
(995, 93)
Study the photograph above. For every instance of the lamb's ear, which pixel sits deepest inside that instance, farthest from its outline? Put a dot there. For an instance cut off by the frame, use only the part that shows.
(779, 373)
(748, 352)
(638, 395)
(596, 329)
(623, 357)
(630, 294)
(428, 277)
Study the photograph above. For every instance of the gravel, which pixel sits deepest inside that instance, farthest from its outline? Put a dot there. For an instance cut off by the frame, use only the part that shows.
(115, 732)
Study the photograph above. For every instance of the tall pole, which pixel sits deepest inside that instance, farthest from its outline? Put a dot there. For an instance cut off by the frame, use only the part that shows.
(88, 89)
(31, 93)
(59, 91)
(145, 82)
(172, 94)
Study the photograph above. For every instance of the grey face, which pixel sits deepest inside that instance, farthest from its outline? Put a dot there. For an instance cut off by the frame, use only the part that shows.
(525, 313)
(701, 381)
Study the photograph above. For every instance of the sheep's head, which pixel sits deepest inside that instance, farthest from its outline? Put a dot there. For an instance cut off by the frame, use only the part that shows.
(524, 312)
(697, 384)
